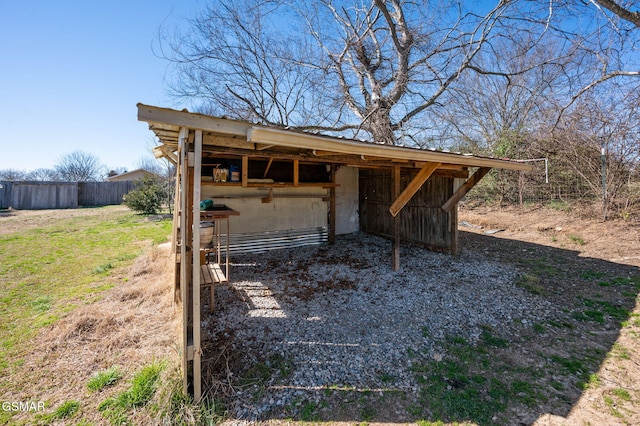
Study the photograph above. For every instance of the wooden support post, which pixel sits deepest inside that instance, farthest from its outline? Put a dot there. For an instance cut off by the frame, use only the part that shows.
(466, 187)
(184, 284)
(177, 292)
(296, 172)
(395, 192)
(332, 206)
(245, 171)
(423, 175)
(195, 275)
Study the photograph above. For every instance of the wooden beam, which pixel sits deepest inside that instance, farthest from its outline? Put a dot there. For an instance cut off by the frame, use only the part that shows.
(395, 192)
(163, 151)
(466, 187)
(264, 176)
(228, 141)
(306, 156)
(287, 138)
(158, 115)
(296, 172)
(319, 153)
(172, 157)
(413, 187)
(262, 147)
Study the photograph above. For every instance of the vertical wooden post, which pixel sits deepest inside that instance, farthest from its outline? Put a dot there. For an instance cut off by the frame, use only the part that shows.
(244, 173)
(332, 206)
(177, 291)
(195, 275)
(184, 284)
(296, 172)
(395, 220)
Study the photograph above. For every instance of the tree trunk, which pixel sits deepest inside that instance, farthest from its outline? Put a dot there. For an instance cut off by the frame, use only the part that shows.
(379, 125)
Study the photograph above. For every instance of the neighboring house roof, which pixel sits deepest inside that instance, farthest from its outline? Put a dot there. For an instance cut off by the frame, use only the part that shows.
(249, 137)
(132, 175)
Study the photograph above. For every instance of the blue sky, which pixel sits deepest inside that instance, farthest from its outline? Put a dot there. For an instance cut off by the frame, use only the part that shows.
(71, 74)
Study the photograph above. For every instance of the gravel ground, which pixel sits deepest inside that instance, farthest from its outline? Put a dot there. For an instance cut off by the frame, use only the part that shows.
(338, 316)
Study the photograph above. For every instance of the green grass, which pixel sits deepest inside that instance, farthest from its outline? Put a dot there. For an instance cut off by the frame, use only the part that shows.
(309, 412)
(577, 239)
(47, 270)
(531, 283)
(461, 386)
(599, 310)
(105, 378)
(622, 394)
(66, 410)
(559, 205)
(143, 387)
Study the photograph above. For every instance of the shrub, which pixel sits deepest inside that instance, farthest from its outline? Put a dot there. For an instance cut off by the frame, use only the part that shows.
(147, 197)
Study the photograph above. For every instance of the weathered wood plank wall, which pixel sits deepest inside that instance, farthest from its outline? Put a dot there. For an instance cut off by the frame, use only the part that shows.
(422, 221)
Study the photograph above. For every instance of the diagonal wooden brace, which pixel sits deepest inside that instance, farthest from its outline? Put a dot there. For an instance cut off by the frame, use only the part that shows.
(466, 187)
(413, 187)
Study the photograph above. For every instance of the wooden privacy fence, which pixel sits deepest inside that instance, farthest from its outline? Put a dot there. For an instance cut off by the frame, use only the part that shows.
(61, 195)
(103, 193)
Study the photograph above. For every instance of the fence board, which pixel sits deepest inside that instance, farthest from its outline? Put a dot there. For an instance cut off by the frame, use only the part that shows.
(5, 195)
(103, 193)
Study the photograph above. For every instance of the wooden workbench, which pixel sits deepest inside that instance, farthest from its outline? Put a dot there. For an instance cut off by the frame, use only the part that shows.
(211, 271)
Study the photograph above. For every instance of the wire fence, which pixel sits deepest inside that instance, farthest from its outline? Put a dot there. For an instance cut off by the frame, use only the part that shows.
(557, 185)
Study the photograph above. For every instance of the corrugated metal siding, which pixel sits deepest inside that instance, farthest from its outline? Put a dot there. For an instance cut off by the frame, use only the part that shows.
(422, 221)
(259, 242)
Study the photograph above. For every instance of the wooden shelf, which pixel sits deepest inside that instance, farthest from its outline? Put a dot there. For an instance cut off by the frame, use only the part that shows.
(275, 184)
(211, 274)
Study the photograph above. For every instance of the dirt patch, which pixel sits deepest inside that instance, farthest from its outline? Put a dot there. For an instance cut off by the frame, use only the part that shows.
(615, 240)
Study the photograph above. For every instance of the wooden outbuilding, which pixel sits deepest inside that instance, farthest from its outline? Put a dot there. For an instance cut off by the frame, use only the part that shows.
(288, 188)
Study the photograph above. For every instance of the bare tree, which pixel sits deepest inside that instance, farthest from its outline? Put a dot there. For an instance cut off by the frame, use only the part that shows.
(43, 175)
(621, 9)
(12, 175)
(369, 67)
(80, 166)
(374, 69)
(611, 127)
(604, 35)
(151, 165)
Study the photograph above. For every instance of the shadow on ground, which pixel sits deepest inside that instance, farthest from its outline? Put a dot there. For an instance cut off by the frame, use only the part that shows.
(473, 363)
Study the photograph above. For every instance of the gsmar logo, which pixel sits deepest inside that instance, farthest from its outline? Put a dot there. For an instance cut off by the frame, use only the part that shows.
(23, 406)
